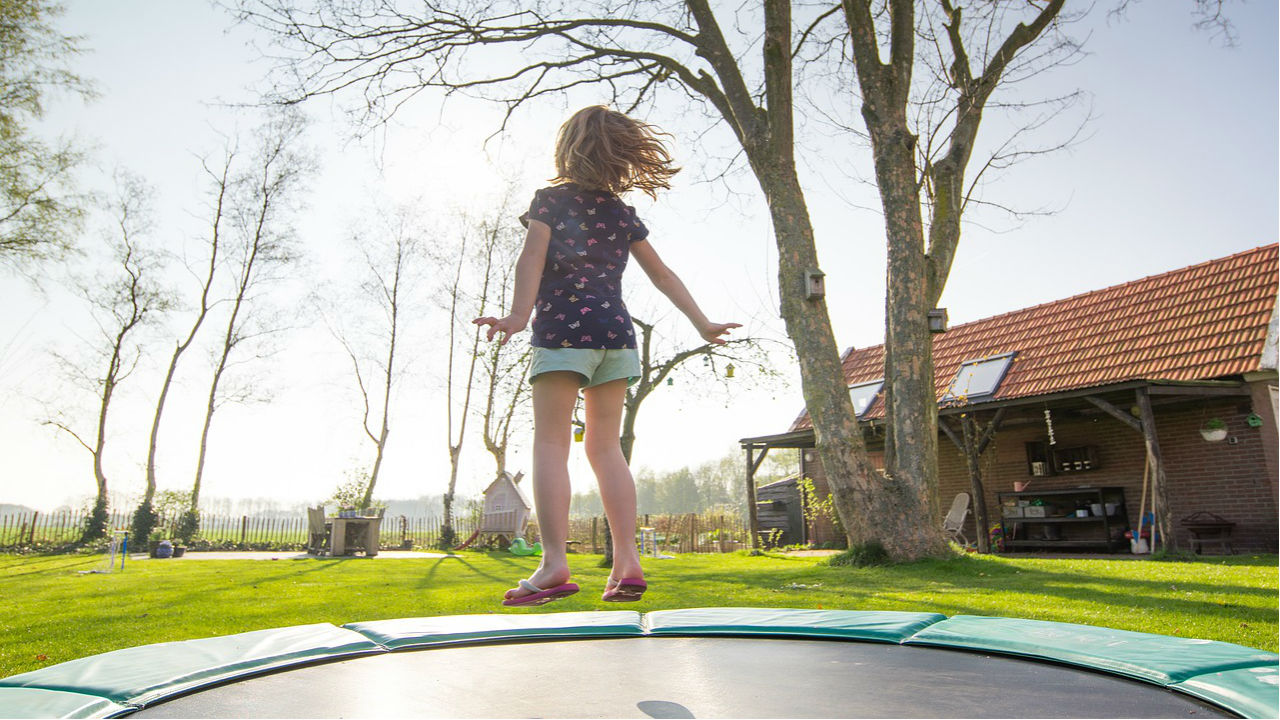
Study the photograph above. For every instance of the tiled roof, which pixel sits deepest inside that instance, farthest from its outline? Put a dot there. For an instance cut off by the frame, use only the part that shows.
(1203, 322)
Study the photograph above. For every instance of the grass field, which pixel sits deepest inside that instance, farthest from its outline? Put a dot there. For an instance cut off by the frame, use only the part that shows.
(54, 614)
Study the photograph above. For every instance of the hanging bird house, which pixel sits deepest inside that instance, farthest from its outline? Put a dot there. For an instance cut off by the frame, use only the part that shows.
(728, 371)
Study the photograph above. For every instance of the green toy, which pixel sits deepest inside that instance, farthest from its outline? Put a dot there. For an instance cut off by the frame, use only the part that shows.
(520, 547)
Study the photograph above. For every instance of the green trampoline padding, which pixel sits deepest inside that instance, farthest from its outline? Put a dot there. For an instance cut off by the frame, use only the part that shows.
(427, 631)
(139, 675)
(1252, 692)
(1240, 679)
(881, 626)
(21, 702)
(1158, 659)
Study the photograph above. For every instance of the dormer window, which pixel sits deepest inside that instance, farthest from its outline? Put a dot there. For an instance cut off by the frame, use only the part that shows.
(978, 379)
(864, 395)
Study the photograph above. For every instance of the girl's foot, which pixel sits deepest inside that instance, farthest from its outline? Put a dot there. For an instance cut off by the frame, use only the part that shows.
(624, 589)
(544, 578)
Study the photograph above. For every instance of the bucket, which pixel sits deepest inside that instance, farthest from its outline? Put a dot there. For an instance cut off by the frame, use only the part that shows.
(1139, 546)
(1096, 509)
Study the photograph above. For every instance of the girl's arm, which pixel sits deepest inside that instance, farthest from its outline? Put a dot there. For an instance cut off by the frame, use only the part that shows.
(528, 278)
(665, 280)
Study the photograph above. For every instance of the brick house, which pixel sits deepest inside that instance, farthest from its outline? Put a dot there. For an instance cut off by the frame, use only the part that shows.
(1100, 391)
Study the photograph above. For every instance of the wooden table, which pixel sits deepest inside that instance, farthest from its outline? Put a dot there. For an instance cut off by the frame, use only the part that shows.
(367, 528)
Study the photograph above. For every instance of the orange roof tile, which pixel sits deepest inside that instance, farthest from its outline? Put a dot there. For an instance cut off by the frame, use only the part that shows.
(1203, 322)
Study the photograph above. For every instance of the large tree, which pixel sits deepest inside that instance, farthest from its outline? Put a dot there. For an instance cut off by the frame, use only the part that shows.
(40, 209)
(747, 80)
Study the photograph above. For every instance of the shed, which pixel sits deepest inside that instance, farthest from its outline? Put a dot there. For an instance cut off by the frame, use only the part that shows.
(780, 512)
(506, 510)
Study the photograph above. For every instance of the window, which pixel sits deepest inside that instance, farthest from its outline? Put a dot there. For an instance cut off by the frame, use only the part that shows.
(980, 378)
(863, 395)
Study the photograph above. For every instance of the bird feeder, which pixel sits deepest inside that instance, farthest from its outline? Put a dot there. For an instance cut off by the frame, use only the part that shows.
(578, 433)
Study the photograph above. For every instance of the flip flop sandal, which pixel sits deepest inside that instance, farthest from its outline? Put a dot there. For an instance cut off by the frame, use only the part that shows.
(627, 590)
(538, 596)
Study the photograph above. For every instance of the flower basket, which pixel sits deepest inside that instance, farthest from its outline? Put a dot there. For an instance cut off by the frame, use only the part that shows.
(1213, 430)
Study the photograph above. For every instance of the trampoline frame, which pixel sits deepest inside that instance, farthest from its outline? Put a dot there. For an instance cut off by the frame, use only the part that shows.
(1239, 679)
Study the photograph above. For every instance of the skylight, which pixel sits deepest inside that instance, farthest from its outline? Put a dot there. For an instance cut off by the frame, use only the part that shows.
(979, 379)
(863, 395)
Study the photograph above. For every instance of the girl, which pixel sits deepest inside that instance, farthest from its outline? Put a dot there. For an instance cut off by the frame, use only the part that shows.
(580, 236)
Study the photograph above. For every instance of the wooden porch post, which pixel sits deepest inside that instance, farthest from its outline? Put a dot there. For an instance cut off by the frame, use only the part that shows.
(753, 525)
(1159, 490)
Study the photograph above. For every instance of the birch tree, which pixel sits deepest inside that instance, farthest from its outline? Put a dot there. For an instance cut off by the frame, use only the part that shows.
(124, 298)
(392, 264)
(266, 190)
(219, 177)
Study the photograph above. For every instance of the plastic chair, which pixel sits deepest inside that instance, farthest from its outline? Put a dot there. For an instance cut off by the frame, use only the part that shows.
(953, 523)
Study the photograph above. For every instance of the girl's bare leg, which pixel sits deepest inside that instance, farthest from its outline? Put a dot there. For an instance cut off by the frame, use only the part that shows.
(554, 395)
(603, 405)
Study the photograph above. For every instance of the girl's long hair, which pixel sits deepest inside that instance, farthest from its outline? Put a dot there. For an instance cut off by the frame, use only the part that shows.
(601, 149)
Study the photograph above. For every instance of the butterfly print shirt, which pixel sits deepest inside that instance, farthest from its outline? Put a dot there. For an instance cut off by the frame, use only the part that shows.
(580, 297)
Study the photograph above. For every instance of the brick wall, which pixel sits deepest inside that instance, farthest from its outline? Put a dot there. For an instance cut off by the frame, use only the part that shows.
(1231, 480)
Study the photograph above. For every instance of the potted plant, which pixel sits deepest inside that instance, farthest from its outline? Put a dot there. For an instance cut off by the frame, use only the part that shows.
(1214, 430)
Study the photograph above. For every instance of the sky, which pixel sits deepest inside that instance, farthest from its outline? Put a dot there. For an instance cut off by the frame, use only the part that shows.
(1177, 165)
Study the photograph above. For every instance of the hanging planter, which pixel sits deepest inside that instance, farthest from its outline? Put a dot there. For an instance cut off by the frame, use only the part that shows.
(1213, 430)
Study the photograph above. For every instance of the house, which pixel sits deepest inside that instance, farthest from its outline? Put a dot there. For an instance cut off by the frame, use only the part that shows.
(1090, 396)
(505, 515)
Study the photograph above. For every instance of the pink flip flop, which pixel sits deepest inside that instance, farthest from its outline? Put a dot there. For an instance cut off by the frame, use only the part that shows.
(538, 596)
(627, 590)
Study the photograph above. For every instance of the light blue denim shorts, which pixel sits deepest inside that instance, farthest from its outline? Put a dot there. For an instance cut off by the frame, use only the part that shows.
(595, 367)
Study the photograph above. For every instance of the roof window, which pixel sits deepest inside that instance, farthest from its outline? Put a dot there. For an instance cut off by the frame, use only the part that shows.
(863, 395)
(978, 379)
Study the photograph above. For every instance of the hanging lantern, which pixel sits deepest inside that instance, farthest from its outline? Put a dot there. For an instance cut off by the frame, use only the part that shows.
(728, 371)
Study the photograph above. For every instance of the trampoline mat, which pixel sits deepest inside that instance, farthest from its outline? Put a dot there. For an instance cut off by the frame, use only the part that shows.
(684, 677)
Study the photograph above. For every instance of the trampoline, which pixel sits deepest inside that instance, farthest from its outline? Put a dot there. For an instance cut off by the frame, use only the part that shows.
(705, 662)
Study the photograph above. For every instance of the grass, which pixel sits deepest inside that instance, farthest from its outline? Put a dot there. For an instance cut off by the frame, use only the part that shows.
(54, 614)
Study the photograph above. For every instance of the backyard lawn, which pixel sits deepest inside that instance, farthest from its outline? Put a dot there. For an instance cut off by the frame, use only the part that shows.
(53, 613)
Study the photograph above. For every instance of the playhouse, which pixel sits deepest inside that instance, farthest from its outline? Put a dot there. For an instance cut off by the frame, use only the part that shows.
(506, 511)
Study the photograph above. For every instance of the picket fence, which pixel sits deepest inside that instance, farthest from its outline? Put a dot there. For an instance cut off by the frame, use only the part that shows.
(680, 533)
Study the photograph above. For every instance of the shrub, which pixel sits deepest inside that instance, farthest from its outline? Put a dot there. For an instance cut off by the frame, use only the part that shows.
(866, 555)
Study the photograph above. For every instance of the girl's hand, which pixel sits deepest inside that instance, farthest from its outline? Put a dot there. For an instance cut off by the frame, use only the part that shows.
(508, 326)
(711, 332)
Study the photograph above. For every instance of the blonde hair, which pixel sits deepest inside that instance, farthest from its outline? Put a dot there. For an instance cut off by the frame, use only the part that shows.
(601, 149)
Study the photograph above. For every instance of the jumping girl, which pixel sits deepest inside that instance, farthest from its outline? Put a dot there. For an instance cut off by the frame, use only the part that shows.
(580, 236)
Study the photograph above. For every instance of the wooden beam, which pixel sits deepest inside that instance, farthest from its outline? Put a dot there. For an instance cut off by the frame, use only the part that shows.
(1159, 491)
(753, 521)
(1115, 412)
(1200, 390)
(989, 433)
(942, 423)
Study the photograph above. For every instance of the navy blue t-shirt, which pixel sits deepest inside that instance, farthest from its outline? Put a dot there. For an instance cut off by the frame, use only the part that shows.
(580, 297)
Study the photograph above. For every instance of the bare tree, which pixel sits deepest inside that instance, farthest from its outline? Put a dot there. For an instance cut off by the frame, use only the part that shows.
(123, 301)
(262, 250)
(391, 264)
(635, 48)
(503, 367)
(220, 187)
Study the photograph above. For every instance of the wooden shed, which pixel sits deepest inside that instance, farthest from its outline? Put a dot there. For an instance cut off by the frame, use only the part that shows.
(780, 513)
(506, 510)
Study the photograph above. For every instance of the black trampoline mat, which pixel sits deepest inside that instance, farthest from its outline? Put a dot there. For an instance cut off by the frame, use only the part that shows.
(684, 677)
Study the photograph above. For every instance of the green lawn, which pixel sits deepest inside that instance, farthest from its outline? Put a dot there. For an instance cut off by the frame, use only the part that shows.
(53, 614)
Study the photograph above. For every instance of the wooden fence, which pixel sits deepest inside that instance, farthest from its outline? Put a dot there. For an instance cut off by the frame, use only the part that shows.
(682, 533)
(30, 529)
